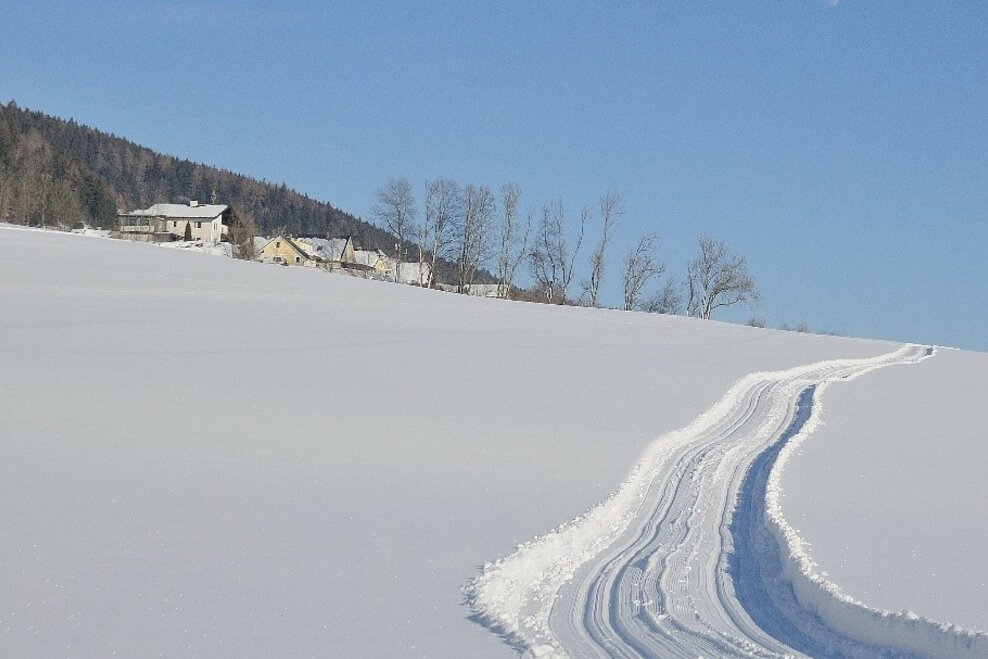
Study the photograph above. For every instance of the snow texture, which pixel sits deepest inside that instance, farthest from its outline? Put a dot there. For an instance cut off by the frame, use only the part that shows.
(207, 456)
(883, 494)
(649, 572)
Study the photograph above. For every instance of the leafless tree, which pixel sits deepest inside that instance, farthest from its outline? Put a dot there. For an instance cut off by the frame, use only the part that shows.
(514, 239)
(611, 211)
(422, 234)
(542, 262)
(443, 211)
(62, 205)
(717, 278)
(36, 187)
(395, 210)
(476, 233)
(667, 300)
(551, 261)
(241, 231)
(7, 171)
(640, 266)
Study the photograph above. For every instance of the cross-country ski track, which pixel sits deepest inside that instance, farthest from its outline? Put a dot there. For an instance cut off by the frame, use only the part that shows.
(691, 556)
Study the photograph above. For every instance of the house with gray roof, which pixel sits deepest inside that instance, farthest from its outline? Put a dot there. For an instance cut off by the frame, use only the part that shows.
(207, 222)
(330, 251)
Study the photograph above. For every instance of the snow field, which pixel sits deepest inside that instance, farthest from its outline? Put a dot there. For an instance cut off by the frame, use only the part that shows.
(206, 456)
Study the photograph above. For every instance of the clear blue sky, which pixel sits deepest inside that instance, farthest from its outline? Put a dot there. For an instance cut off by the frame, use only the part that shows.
(842, 147)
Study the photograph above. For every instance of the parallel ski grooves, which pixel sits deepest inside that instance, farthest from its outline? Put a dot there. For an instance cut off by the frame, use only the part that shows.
(665, 567)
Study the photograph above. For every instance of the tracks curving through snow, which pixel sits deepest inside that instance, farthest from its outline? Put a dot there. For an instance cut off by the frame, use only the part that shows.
(683, 560)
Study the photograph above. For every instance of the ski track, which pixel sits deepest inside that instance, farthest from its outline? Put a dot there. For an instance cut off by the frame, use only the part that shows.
(691, 555)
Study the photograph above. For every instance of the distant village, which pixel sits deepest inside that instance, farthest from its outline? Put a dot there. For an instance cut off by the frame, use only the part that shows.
(209, 224)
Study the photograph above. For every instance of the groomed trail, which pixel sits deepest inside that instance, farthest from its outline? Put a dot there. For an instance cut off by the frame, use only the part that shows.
(691, 557)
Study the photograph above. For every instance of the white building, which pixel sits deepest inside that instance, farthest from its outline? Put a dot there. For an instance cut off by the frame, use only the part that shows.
(411, 273)
(479, 290)
(207, 222)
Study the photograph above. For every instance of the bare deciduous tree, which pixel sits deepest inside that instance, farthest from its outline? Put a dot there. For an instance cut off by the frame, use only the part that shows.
(443, 210)
(640, 266)
(550, 261)
(241, 231)
(475, 235)
(667, 300)
(717, 278)
(423, 232)
(514, 239)
(395, 210)
(9, 165)
(611, 212)
(66, 208)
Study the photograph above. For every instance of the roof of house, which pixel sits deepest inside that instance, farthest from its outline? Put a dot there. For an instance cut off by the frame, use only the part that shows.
(182, 211)
(327, 249)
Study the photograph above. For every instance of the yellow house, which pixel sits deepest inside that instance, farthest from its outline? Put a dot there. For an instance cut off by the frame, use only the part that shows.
(284, 250)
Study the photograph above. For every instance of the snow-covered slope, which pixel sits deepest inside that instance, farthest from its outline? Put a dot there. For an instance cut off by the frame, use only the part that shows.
(679, 562)
(204, 456)
(890, 492)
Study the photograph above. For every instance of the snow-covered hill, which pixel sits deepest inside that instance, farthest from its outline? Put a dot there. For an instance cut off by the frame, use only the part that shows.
(206, 456)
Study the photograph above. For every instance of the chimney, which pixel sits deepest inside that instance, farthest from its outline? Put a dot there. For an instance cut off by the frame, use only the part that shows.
(193, 203)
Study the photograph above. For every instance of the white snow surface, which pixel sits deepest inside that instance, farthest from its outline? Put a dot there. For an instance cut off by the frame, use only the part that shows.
(890, 493)
(198, 246)
(669, 566)
(207, 456)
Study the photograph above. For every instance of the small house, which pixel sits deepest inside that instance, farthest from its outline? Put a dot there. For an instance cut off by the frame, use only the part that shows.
(285, 251)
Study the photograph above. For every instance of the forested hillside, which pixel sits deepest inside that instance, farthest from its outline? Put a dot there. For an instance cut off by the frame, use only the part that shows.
(54, 171)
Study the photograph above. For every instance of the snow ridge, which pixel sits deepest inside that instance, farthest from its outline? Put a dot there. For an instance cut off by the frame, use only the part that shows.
(648, 571)
(902, 632)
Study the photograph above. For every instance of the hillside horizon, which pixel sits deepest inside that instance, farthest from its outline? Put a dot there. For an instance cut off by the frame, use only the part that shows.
(56, 170)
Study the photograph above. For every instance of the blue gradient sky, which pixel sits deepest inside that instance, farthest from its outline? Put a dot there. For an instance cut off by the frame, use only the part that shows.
(842, 148)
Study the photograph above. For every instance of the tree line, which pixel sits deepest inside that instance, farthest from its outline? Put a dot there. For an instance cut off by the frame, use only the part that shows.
(55, 171)
(489, 239)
